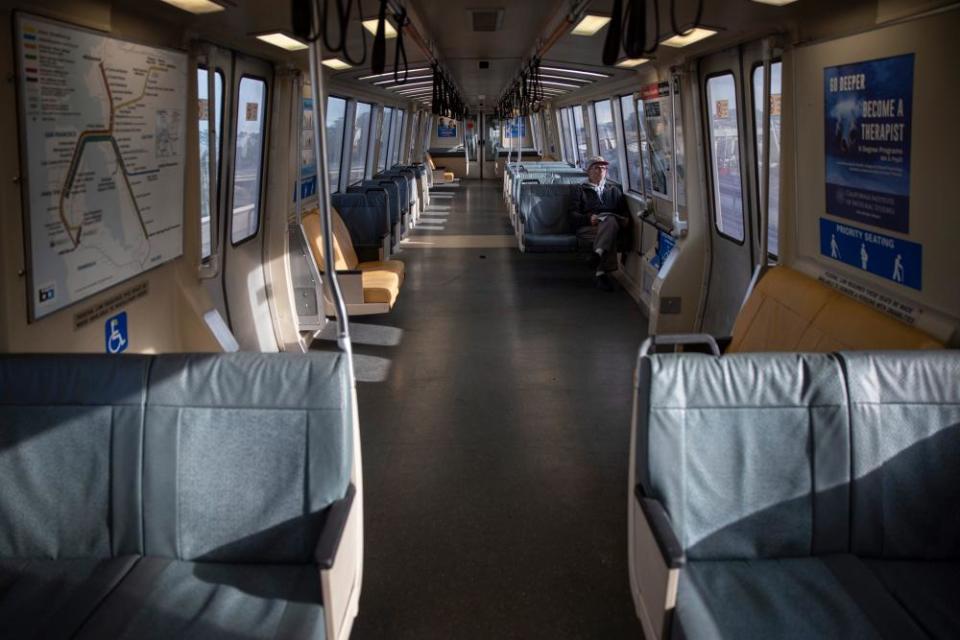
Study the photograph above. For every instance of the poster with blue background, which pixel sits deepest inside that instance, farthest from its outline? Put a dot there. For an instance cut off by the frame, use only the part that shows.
(515, 130)
(446, 131)
(867, 107)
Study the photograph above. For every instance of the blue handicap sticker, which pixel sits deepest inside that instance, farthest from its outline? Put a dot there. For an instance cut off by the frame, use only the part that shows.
(115, 333)
(897, 260)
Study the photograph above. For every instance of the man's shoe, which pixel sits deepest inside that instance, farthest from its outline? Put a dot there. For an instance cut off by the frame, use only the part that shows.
(604, 282)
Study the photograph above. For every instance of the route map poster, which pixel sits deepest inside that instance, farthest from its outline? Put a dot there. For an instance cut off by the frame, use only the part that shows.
(867, 110)
(103, 139)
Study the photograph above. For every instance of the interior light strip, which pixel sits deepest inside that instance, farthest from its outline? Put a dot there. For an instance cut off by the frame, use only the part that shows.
(593, 74)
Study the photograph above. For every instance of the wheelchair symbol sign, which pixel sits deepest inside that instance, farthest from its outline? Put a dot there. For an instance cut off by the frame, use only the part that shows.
(115, 333)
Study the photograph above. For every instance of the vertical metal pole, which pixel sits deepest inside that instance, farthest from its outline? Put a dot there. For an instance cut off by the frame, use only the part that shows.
(323, 183)
(213, 178)
(674, 88)
(765, 163)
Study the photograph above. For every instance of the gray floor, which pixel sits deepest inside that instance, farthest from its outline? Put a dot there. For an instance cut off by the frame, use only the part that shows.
(495, 418)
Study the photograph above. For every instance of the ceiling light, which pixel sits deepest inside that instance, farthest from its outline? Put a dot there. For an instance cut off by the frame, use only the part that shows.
(592, 74)
(559, 84)
(196, 6)
(590, 24)
(283, 41)
(567, 78)
(416, 93)
(409, 84)
(371, 26)
(689, 37)
(630, 63)
(390, 73)
(337, 64)
(776, 3)
(391, 80)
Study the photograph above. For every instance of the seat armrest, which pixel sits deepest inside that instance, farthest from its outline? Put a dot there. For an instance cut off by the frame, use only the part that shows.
(333, 528)
(671, 551)
(723, 342)
(650, 344)
(656, 560)
(351, 286)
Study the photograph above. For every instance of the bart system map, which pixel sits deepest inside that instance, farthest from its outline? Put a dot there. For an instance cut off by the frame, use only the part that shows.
(103, 133)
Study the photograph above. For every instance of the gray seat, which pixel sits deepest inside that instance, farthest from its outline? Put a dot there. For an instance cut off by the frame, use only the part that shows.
(798, 495)
(170, 496)
(544, 214)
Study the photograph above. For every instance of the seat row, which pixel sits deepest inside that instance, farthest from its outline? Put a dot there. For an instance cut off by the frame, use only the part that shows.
(369, 221)
(538, 198)
(791, 495)
(179, 495)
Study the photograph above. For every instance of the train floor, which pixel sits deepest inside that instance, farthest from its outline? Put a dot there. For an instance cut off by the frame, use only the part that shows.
(495, 408)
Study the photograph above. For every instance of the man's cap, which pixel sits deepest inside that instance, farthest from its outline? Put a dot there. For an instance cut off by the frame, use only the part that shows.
(596, 160)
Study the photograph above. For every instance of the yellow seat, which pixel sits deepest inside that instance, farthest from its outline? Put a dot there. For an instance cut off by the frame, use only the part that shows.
(788, 311)
(380, 279)
(438, 174)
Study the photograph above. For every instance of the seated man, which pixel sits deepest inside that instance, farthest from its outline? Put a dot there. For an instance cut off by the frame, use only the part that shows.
(599, 212)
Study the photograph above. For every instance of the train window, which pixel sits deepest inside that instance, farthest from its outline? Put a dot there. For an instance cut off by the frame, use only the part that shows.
(631, 135)
(565, 136)
(248, 160)
(358, 148)
(427, 129)
(414, 127)
(580, 131)
(607, 138)
(384, 138)
(774, 183)
(203, 127)
(336, 126)
(725, 153)
(397, 137)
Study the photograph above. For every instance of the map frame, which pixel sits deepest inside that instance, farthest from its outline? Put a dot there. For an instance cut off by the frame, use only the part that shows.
(182, 57)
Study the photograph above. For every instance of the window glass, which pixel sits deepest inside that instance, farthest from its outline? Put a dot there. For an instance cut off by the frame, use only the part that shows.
(607, 138)
(336, 121)
(565, 136)
(358, 147)
(248, 164)
(384, 138)
(656, 144)
(775, 95)
(427, 129)
(725, 153)
(414, 124)
(581, 134)
(631, 134)
(203, 127)
(396, 142)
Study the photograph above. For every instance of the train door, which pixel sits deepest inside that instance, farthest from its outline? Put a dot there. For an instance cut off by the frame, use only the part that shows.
(233, 271)
(491, 145)
(471, 143)
(728, 162)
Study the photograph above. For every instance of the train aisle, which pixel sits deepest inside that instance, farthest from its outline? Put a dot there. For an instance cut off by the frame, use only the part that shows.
(495, 419)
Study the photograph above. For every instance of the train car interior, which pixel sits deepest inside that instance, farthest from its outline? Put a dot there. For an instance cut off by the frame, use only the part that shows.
(479, 319)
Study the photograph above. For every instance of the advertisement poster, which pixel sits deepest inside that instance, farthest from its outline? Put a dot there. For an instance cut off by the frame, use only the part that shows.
(867, 110)
(446, 131)
(308, 160)
(515, 130)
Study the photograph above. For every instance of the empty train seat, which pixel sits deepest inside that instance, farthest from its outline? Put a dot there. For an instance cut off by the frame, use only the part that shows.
(188, 495)
(544, 219)
(368, 287)
(789, 311)
(440, 175)
(796, 495)
(366, 215)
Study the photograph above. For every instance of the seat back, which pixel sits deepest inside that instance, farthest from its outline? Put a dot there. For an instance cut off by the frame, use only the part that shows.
(545, 209)
(905, 423)
(788, 311)
(344, 256)
(748, 453)
(70, 459)
(364, 215)
(244, 452)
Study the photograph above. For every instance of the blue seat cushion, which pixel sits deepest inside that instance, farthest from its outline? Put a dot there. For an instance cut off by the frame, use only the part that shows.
(546, 242)
(930, 591)
(786, 598)
(163, 598)
(41, 598)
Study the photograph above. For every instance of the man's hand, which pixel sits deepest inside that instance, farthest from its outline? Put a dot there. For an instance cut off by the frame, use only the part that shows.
(594, 220)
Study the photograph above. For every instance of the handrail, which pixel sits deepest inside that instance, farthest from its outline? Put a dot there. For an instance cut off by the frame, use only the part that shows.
(323, 181)
(765, 172)
(213, 150)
